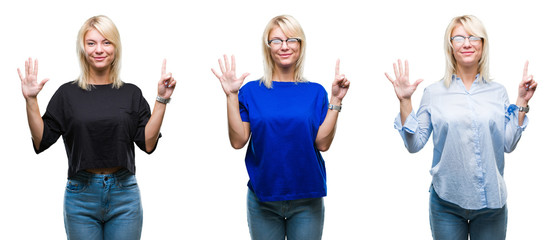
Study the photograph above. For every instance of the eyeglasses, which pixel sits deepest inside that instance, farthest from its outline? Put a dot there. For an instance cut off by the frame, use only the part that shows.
(459, 40)
(290, 42)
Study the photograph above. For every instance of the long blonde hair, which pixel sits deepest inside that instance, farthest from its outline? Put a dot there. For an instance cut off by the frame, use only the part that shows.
(108, 29)
(473, 26)
(291, 28)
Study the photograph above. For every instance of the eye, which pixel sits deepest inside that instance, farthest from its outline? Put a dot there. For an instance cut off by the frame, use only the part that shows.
(275, 41)
(90, 44)
(293, 40)
(474, 38)
(458, 38)
(107, 43)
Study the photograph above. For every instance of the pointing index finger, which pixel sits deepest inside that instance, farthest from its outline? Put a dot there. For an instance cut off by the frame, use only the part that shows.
(525, 69)
(164, 67)
(337, 67)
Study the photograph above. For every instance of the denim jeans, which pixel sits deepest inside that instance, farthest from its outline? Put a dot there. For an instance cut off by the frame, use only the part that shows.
(301, 219)
(451, 222)
(103, 206)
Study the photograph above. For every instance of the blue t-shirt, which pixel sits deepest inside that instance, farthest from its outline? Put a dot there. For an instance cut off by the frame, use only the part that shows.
(282, 160)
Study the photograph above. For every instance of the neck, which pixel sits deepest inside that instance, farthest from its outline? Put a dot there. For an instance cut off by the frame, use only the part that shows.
(467, 74)
(100, 77)
(284, 74)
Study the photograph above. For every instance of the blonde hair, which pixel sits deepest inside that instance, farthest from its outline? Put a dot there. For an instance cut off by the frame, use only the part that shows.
(108, 29)
(292, 29)
(473, 26)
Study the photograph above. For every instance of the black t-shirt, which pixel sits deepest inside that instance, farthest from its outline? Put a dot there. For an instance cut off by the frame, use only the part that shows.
(98, 126)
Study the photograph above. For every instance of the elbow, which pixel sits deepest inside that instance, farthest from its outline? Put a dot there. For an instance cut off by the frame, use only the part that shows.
(323, 147)
(238, 144)
(412, 151)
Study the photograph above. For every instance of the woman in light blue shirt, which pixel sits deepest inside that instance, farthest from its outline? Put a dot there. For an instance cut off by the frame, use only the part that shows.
(473, 125)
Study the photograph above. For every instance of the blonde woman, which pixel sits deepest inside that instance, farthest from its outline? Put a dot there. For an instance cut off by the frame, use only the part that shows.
(473, 125)
(100, 119)
(288, 121)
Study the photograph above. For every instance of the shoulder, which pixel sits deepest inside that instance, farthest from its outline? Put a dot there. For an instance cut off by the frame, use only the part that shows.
(316, 85)
(130, 87)
(436, 87)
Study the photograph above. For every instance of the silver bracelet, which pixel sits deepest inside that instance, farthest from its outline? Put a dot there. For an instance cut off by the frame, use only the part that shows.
(335, 107)
(163, 100)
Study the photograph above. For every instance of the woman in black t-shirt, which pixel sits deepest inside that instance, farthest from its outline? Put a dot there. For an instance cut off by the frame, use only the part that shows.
(99, 118)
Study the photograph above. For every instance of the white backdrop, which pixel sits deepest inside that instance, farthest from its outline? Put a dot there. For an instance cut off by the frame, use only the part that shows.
(194, 185)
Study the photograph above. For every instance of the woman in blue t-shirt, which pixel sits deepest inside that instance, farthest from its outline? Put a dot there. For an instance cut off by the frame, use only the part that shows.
(289, 121)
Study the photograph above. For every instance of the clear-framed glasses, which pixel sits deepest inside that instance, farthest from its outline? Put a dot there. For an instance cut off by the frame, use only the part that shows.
(290, 42)
(459, 40)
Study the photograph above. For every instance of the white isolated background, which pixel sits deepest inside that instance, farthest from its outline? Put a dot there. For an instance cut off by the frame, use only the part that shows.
(194, 185)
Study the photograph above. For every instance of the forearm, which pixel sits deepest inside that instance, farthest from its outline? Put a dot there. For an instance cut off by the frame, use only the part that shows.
(238, 133)
(36, 125)
(152, 128)
(326, 132)
(405, 109)
(522, 103)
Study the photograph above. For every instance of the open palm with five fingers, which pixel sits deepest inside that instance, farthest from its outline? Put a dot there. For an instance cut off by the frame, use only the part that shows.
(403, 88)
(228, 79)
(29, 85)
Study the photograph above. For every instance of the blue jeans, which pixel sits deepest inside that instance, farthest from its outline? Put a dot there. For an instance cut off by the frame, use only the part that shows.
(103, 206)
(301, 219)
(451, 222)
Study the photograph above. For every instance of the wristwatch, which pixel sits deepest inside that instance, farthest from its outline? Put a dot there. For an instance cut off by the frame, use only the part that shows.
(163, 100)
(524, 109)
(335, 107)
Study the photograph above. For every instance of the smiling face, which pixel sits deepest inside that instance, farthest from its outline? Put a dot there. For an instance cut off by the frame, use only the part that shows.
(99, 51)
(466, 53)
(286, 54)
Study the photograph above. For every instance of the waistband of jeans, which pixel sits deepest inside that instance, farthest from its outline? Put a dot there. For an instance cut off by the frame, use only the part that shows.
(84, 175)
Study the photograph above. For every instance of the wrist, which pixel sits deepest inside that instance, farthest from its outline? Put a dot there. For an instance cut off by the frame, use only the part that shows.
(163, 100)
(335, 101)
(521, 102)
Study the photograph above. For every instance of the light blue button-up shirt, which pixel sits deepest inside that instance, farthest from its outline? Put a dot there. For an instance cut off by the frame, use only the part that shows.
(472, 131)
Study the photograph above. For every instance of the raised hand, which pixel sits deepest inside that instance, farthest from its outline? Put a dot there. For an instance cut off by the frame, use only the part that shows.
(403, 88)
(340, 84)
(527, 87)
(166, 85)
(228, 79)
(29, 85)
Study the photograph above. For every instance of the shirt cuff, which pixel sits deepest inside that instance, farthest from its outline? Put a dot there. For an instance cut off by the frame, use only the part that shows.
(410, 124)
(512, 116)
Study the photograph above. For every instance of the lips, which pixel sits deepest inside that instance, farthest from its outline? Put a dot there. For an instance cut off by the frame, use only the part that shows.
(99, 59)
(466, 53)
(285, 55)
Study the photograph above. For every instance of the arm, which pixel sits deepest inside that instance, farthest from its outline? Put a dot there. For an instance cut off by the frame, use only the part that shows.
(526, 90)
(239, 131)
(166, 86)
(30, 89)
(516, 123)
(326, 132)
(414, 129)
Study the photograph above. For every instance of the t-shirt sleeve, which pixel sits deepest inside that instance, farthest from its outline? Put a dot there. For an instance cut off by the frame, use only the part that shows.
(143, 117)
(324, 107)
(243, 106)
(54, 125)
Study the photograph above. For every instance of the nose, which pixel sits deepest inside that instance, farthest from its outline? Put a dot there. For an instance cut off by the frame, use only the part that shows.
(284, 46)
(99, 49)
(466, 43)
